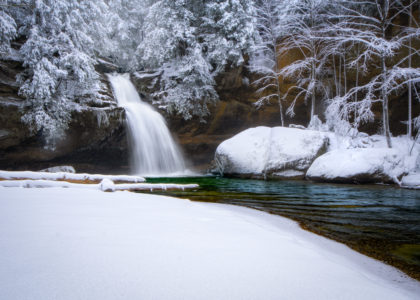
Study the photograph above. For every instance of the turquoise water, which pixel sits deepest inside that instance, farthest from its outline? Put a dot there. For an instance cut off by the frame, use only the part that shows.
(380, 221)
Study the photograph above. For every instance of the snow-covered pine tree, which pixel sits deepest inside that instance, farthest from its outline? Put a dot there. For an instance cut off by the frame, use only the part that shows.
(8, 30)
(126, 30)
(170, 45)
(190, 42)
(59, 57)
(226, 32)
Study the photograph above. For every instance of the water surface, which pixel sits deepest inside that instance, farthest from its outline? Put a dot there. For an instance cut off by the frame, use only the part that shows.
(380, 221)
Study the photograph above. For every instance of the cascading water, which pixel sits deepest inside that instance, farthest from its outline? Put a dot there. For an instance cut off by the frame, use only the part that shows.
(153, 150)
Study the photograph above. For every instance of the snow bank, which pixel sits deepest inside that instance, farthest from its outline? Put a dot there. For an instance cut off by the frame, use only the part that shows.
(105, 185)
(277, 152)
(361, 165)
(85, 244)
(411, 181)
(67, 176)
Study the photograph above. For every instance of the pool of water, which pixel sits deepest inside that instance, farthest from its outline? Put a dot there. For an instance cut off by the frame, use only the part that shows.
(380, 221)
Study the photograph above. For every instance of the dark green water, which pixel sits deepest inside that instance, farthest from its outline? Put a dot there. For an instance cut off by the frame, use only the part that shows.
(380, 221)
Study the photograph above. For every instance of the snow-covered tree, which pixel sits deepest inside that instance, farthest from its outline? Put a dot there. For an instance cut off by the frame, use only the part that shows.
(302, 25)
(265, 57)
(170, 45)
(413, 31)
(367, 23)
(191, 42)
(59, 58)
(126, 31)
(187, 88)
(7, 29)
(226, 31)
(167, 33)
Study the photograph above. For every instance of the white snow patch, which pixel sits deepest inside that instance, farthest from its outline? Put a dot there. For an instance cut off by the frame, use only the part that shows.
(85, 244)
(360, 165)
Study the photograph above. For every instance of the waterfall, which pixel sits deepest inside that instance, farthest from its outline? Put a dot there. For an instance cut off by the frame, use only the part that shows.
(153, 150)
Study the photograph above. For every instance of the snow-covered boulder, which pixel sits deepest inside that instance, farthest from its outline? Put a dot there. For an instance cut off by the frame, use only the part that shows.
(265, 152)
(363, 165)
(411, 181)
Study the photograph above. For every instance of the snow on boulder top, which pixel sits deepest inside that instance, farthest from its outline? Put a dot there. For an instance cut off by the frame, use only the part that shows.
(364, 165)
(277, 152)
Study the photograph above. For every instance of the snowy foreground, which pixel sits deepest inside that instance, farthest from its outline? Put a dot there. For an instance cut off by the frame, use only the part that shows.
(86, 244)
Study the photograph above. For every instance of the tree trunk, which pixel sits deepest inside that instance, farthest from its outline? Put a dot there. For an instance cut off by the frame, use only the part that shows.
(280, 104)
(356, 122)
(313, 93)
(335, 78)
(410, 96)
(385, 112)
(278, 81)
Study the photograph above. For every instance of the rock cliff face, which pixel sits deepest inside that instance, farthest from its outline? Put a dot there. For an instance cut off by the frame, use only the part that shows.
(95, 140)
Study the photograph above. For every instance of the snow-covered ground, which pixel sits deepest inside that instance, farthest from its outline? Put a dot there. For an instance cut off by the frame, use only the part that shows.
(85, 244)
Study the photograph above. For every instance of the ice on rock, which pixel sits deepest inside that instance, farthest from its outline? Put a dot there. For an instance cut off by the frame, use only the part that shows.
(264, 152)
(362, 165)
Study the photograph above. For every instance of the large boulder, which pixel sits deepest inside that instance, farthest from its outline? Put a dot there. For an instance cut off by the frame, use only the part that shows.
(363, 165)
(265, 152)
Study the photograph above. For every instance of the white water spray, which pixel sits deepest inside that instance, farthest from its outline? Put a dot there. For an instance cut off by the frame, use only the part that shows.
(153, 150)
